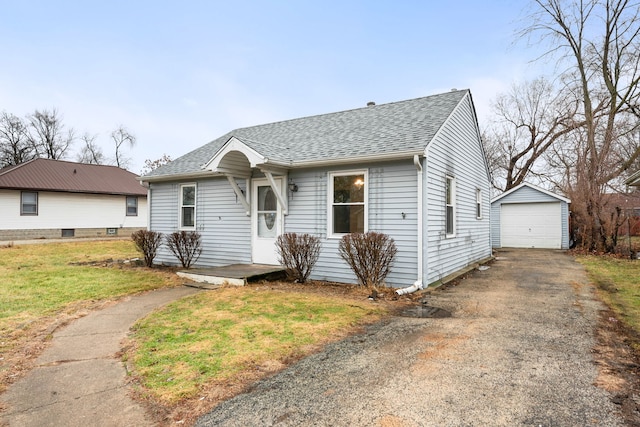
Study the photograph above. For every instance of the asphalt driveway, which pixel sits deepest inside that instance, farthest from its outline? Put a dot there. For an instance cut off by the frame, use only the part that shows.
(516, 351)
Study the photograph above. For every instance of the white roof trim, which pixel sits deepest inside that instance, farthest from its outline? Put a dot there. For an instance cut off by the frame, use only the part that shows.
(234, 144)
(524, 184)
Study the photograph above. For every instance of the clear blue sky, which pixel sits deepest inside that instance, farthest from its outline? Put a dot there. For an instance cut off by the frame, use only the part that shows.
(179, 74)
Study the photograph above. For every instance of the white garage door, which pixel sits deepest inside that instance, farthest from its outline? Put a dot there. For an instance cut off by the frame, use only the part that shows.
(531, 225)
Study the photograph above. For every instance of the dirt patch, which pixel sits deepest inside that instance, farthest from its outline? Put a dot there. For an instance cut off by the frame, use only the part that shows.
(618, 359)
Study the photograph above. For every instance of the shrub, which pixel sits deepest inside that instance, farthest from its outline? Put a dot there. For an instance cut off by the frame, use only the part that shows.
(148, 243)
(369, 255)
(186, 246)
(298, 253)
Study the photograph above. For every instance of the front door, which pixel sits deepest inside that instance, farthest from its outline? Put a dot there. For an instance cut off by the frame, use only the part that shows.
(266, 217)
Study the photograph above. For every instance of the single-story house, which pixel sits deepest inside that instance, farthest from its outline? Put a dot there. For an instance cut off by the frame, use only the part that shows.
(414, 170)
(527, 216)
(45, 198)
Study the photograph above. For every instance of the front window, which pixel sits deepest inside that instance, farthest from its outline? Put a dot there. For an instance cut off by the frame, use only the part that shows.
(132, 206)
(29, 203)
(347, 199)
(188, 206)
(450, 206)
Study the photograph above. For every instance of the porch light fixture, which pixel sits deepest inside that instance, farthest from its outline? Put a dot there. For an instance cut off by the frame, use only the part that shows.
(292, 186)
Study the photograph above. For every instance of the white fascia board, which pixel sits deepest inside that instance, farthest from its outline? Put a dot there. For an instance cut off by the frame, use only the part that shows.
(398, 155)
(180, 176)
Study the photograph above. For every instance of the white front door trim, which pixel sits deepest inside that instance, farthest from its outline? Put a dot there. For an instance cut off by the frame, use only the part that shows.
(266, 219)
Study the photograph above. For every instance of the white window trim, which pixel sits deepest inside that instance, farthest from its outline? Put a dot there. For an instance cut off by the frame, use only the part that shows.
(331, 175)
(478, 203)
(22, 212)
(195, 206)
(126, 207)
(453, 205)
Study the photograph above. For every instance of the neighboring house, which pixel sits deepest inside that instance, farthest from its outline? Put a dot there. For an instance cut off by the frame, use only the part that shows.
(414, 170)
(530, 217)
(45, 198)
(625, 208)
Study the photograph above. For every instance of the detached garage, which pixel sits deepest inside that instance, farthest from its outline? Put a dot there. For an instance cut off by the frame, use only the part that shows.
(530, 217)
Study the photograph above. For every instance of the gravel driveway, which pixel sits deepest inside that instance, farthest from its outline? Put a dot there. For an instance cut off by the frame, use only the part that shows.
(516, 351)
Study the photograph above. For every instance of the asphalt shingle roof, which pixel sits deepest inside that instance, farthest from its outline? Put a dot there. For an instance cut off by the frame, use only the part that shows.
(58, 175)
(373, 130)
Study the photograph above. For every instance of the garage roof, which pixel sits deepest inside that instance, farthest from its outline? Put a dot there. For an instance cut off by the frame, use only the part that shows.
(542, 190)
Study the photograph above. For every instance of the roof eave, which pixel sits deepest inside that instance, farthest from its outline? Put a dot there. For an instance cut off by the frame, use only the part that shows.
(180, 176)
(398, 155)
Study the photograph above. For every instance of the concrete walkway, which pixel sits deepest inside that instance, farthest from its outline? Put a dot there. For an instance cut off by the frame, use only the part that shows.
(78, 380)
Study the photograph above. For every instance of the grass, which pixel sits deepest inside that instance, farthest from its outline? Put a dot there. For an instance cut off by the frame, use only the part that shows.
(214, 342)
(43, 283)
(221, 336)
(618, 282)
(40, 280)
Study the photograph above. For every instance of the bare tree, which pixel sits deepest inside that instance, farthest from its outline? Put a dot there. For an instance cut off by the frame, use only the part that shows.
(122, 137)
(47, 134)
(91, 153)
(150, 165)
(598, 41)
(14, 142)
(529, 119)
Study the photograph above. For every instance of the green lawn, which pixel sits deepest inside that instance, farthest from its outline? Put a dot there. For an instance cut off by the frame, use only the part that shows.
(225, 335)
(41, 280)
(618, 281)
(44, 283)
(224, 338)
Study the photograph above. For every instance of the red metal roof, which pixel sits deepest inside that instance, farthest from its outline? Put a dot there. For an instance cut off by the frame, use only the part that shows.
(58, 175)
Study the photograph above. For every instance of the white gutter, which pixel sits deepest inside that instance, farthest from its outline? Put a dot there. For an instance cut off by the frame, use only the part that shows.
(398, 155)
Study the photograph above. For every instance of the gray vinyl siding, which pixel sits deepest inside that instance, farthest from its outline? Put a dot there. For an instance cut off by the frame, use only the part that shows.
(456, 152)
(392, 190)
(527, 194)
(220, 219)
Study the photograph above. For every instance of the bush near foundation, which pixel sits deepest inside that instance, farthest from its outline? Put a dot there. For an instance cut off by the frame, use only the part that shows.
(370, 256)
(186, 246)
(298, 254)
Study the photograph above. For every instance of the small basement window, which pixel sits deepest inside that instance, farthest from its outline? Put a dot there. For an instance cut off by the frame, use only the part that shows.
(112, 231)
(68, 232)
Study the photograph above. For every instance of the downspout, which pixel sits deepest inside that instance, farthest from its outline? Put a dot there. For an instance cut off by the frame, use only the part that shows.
(417, 285)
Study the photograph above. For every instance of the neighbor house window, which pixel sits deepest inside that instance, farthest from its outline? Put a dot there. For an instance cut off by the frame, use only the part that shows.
(29, 203)
(132, 206)
(188, 206)
(450, 205)
(347, 202)
(478, 203)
